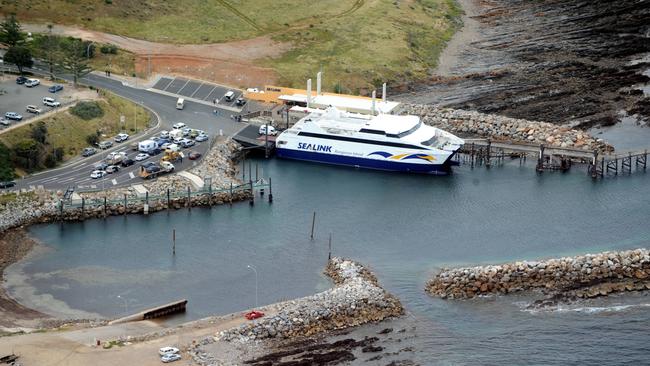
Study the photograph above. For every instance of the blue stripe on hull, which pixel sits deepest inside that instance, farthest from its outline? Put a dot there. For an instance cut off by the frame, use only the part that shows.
(377, 164)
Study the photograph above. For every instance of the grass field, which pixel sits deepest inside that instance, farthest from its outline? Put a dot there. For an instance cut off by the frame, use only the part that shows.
(357, 43)
(69, 132)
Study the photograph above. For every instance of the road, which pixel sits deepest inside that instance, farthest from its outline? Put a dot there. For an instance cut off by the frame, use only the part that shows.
(199, 116)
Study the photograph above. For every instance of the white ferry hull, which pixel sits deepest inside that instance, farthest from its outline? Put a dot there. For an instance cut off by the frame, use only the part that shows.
(378, 158)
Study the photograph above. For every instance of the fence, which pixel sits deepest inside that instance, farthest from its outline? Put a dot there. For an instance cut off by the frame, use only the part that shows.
(169, 199)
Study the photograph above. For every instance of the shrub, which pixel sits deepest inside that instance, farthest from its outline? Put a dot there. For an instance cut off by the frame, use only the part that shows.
(6, 165)
(87, 110)
(108, 48)
(93, 139)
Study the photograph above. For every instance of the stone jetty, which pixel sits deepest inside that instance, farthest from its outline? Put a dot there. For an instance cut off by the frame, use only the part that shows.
(505, 129)
(42, 206)
(355, 299)
(582, 276)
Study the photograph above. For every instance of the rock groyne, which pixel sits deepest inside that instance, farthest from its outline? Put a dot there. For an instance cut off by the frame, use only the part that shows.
(583, 276)
(505, 129)
(355, 299)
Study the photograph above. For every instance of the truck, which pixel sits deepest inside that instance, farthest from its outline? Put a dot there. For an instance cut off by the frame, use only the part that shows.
(152, 170)
(115, 158)
(171, 155)
(176, 134)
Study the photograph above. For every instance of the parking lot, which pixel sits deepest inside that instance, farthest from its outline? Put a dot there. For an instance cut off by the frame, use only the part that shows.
(197, 90)
(15, 97)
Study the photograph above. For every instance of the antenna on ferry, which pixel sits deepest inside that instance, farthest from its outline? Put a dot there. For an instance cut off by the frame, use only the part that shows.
(374, 97)
(383, 93)
(318, 82)
(308, 93)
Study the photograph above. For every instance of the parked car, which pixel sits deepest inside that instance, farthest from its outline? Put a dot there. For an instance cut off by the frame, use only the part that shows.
(100, 166)
(179, 125)
(142, 156)
(96, 174)
(154, 151)
(121, 137)
(271, 130)
(30, 83)
(167, 351)
(200, 138)
(127, 162)
(105, 144)
(112, 169)
(186, 131)
(166, 145)
(33, 109)
(51, 102)
(187, 143)
(7, 184)
(170, 357)
(21, 80)
(88, 151)
(194, 155)
(164, 134)
(4, 121)
(13, 115)
(240, 101)
(55, 88)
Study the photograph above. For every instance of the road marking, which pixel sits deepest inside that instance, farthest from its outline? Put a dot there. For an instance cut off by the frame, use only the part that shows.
(114, 181)
(131, 175)
(93, 186)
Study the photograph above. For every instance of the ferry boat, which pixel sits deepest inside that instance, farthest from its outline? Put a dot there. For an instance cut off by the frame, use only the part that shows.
(384, 142)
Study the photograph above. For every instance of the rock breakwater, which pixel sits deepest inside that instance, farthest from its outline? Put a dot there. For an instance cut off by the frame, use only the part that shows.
(505, 129)
(583, 276)
(356, 299)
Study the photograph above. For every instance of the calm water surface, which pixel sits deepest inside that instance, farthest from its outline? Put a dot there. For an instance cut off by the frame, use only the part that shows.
(405, 227)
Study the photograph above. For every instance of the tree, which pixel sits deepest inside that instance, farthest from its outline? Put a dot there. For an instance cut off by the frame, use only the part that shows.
(6, 166)
(74, 59)
(19, 56)
(50, 51)
(10, 33)
(27, 153)
(39, 132)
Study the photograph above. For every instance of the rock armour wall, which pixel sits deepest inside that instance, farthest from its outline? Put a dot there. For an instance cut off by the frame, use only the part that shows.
(582, 276)
(504, 129)
(356, 299)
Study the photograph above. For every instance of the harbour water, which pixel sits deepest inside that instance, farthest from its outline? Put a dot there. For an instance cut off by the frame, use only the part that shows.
(404, 227)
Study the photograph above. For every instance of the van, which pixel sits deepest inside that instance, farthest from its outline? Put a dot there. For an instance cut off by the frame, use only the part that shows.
(105, 144)
(147, 145)
(229, 95)
(180, 103)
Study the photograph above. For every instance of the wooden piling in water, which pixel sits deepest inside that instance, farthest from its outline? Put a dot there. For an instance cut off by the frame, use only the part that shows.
(313, 224)
(270, 191)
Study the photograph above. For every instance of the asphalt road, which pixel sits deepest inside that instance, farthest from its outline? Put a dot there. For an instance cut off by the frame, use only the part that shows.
(194, 115)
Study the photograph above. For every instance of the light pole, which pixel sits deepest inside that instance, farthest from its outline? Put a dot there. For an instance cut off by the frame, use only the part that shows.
(254, 270)
(126, 304)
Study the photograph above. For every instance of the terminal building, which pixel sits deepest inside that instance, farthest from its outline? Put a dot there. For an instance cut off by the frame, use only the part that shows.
(308, 99)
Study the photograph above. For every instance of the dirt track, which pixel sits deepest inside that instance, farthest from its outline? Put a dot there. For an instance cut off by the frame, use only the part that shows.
(228, 63)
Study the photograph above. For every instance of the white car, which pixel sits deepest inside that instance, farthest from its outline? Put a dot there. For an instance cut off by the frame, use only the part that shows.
(4, 121)
(201, 137)
(51, 102)
(96, 174)
(187, 143)
(170, 357)
(32, 83)
(272, 131)
(141, 156)
(164, 134)
(167, 351)
(186, 131)
(121, 137)
(179, 125)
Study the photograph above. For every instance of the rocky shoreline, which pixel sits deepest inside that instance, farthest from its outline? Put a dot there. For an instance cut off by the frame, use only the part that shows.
(584, 276)
(504, 129)
(355, 299)
(575, 62)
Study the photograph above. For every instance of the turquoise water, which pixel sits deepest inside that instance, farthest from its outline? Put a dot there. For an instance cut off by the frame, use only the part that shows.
(404, 227)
